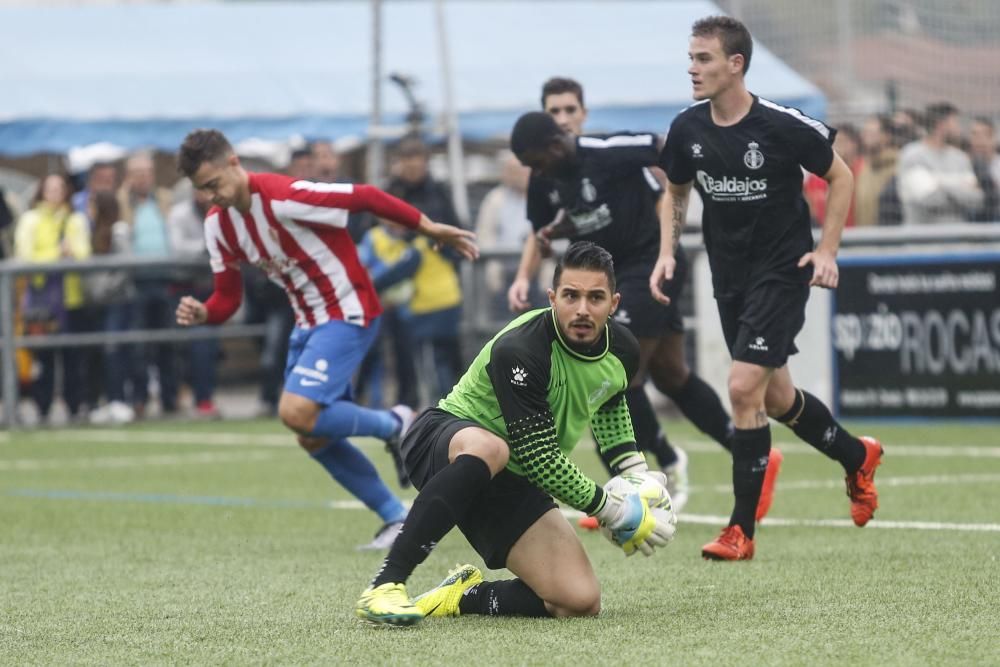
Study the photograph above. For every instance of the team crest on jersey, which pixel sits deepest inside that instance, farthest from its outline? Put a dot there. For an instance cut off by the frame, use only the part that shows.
(588, 191)
(554, 197)
(622, 317)
(696, 150)
(519, 377)
(753, 158)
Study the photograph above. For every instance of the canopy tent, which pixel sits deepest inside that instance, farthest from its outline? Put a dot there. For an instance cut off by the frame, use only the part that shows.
(143, 76)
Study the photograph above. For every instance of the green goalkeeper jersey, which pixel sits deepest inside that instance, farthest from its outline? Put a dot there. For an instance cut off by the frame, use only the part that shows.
(539, 393)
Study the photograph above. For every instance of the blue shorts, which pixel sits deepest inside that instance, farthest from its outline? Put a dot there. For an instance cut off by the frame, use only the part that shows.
(322, 360)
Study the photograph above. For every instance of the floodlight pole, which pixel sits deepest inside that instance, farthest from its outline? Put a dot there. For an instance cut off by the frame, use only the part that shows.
(375, 155)
(456, 159)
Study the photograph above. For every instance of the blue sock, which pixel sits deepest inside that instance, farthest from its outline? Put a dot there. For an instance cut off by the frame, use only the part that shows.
(349, 466)
(344, 418)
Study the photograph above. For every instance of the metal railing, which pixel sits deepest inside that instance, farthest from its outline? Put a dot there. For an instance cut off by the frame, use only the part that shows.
(480, 319)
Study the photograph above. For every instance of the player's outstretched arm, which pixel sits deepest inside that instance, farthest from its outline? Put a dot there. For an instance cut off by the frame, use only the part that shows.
(838, 203)
(672, 209)
(462, 240)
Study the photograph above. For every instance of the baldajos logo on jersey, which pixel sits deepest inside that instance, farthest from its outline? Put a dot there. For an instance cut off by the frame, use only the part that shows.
(731, 188)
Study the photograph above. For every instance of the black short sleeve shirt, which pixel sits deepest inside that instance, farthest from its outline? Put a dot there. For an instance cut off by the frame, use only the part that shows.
(749, 175)
(609, 195)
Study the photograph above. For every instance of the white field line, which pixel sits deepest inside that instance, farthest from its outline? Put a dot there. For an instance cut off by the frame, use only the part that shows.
(891, 449)
(224, 439)
(922, 480)
(847, 523)
(711, 520)
(110, 462)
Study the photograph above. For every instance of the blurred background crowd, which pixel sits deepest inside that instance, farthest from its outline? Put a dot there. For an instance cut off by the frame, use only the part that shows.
(913, 167)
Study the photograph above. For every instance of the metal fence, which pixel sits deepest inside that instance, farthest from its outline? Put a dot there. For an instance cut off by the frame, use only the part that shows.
(482, 317)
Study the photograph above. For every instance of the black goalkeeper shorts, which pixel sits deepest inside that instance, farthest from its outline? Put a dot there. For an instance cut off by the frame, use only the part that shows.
(505, 509)
(761, 324)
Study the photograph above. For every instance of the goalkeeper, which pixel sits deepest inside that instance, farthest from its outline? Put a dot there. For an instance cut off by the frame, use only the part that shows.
(493, 454)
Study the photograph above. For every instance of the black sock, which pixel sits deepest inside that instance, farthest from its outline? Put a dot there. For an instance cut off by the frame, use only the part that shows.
(511, 597)
(436, 510)
(703, 408)
(750, 450)
(812, 421)
(649, 437)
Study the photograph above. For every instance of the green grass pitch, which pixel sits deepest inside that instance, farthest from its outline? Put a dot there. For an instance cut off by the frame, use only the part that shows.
(219, 544)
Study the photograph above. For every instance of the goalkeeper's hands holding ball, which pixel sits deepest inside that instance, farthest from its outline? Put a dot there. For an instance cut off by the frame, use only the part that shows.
(637, 515)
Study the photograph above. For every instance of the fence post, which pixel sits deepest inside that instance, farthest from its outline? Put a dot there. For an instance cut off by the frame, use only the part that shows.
(8, 360)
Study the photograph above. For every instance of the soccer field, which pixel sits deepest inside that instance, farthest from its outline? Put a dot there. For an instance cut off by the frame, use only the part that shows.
(223, 543)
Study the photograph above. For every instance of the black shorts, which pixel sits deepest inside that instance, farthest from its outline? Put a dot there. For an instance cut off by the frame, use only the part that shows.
(644, 316)
(508, 506)
(761, 324)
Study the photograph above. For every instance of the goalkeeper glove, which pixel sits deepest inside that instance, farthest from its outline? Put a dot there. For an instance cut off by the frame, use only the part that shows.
(628, 522)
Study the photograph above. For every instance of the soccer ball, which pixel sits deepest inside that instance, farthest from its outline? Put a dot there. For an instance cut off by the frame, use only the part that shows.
(656, 497)
(655, 494)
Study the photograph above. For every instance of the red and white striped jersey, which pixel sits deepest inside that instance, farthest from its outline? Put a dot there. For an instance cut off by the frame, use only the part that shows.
(295, 231)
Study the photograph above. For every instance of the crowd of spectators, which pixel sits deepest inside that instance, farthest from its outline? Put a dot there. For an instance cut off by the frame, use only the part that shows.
(910, 168)
(917, 168)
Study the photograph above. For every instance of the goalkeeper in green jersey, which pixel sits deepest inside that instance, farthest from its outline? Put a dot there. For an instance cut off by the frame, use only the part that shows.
(494, 453)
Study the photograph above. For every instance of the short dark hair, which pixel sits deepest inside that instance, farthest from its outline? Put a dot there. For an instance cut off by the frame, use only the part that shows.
(535, 129)
(558, 85)
(199, 147)
(732, 34)
(411, 145)
(937, 112)
(589, 257)
(984, 120)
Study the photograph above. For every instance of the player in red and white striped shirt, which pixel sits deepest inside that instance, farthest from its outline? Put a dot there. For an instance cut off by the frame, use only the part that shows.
(296, 232)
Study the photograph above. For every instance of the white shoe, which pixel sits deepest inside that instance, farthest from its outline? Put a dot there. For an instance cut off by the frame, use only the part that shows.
(678, 485)
(115, 412)
(406, 416)
(384, 538)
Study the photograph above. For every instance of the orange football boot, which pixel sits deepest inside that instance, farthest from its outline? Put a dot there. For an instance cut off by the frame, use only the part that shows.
(731, 544)
(861, 484)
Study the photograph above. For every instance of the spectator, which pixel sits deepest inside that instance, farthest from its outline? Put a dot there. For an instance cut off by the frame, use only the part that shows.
(145, 207)
(935, 180)
(986, 166)
(6, 225)
(101, 177)
(48, 232)
(328, 170)
(302, 166)
(187, 242)
(391, 262)
(434, 312)
(326, 161)
(909, 125)
(878, 169)
(113, 292)
(502, 224)
(848, 144)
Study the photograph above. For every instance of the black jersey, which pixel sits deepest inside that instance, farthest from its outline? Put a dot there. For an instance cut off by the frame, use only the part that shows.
(756, 222)
(609, 195)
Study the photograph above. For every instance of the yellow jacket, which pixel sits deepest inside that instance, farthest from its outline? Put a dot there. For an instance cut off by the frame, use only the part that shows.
(40, 236)
(435, 282)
